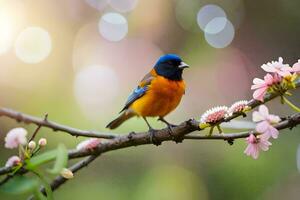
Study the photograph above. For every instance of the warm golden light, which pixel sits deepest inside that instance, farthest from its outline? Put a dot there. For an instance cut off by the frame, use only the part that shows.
(33, 45)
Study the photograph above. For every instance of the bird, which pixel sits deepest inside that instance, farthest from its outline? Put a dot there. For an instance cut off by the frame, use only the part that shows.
(158, 93)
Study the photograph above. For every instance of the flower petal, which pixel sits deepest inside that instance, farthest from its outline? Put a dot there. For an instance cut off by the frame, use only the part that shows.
(257, 117)
(259, 94)
(264, 111)
(262, 127)
(257, 81)
(273, 119)
(268, 68)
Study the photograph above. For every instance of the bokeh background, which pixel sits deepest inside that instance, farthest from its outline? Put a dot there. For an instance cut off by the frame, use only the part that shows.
(77, 60)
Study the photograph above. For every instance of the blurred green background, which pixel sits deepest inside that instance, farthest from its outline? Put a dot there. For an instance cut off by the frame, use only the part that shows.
(77, 60)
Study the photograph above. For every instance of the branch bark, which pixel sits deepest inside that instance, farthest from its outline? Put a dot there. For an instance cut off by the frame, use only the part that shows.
(44, 122)
(135, 140)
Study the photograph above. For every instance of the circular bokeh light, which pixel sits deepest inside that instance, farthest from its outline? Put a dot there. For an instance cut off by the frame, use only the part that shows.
(33, 45)
(216, 25)
(95, 87)
(221, 39)
(113, 26)
(208, 13)
(123, 5)
(97, 4)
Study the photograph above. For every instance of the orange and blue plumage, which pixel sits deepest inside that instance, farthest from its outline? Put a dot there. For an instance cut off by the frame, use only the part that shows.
(158, 93)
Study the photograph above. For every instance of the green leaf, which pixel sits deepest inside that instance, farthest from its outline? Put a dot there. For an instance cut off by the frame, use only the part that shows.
(39, 195)
(20, 185)
(46, 185)
(61, 159)
(40, 159)
(60, 155)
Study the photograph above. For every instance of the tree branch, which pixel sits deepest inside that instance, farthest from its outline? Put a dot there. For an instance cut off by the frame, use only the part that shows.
(178, 134)
(290, 122)
(21, 117)
(59, 180)
(131, 139)
(28, 119)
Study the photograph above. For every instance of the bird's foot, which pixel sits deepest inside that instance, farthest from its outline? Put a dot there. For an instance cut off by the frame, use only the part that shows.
(166, 122)
(153, 138)
(172, 135)
(170, 128)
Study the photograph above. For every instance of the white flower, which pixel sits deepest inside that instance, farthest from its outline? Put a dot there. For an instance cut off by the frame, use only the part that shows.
(214, 114)
(13, 161)
(15, 137)
(277, 67)
(88, 144)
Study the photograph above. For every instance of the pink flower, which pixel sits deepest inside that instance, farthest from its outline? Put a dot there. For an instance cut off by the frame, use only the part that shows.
(261, 86)
(88, 144)
(13, 161)
(238, 106)
(15, 137)
(296, 67)
(214, 115)
(277, 67)
(255, 144)
(266, 122)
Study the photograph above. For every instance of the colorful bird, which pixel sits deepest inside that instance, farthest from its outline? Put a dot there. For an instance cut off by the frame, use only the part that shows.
(158, 93)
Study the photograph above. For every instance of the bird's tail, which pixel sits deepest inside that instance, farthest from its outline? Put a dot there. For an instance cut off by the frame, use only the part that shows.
(119, 120)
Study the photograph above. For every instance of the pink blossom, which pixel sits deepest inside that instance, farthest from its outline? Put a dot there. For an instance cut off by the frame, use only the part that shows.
(214, 114)
(296, 67)
(43, 142)
(266, 122)
(238, 106)
(277, 67)
(88, 144)
(261, 86)
(13, 161)
(15, 137)
(255, 144)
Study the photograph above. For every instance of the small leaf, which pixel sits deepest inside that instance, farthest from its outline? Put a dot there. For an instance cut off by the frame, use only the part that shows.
(61, 159)
(46, 185)
(39, 195)
(40, 159)
(20, 185)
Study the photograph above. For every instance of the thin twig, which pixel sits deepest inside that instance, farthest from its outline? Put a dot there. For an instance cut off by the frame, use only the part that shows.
(21, 117)
(37, 129)
(59, 180)
(291, 122)
(179, 132)
(28, 119)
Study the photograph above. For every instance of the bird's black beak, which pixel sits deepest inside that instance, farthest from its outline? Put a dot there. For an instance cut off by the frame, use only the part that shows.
(183, 65)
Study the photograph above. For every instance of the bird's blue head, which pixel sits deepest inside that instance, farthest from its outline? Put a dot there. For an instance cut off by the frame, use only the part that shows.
(170, 66)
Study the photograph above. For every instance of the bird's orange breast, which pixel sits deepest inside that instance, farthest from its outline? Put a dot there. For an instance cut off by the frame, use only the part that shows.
(162, 97)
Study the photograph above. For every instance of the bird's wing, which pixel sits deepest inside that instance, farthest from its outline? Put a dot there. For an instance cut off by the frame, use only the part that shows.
(139, 90)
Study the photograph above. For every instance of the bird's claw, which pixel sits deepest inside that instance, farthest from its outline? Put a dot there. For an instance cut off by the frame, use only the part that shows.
(153, 138)
(172, 135)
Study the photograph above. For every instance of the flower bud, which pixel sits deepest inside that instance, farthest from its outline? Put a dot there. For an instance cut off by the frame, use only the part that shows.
(13, 161)
(31, 145)
(66, 173)
(43, 142)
